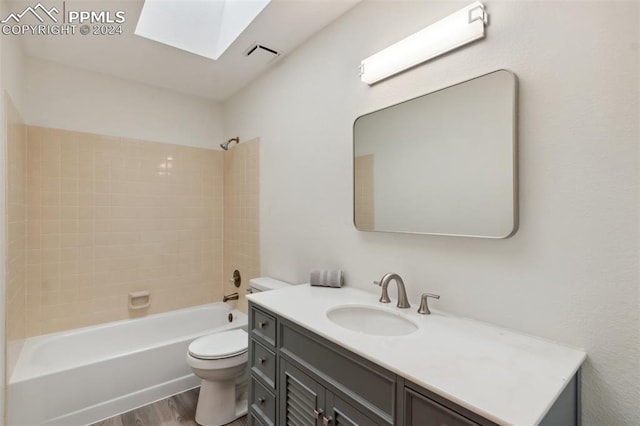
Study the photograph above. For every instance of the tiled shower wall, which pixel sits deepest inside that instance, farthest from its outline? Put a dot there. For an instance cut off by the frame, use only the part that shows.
(16, 231)
(241, 216)
(107, 216)
(364, 192)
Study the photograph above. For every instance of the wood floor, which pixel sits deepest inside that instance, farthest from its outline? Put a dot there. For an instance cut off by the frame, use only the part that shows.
(178, 410)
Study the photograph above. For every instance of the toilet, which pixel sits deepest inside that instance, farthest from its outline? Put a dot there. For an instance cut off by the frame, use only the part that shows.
(220, 360)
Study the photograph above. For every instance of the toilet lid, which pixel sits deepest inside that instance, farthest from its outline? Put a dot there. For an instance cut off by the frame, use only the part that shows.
(220, 345)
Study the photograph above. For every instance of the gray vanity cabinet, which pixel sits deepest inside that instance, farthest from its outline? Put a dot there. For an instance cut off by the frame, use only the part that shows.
(353, 390)
(423, 411)
(263, 407)
(301, 399)
(423, 408)
(299, 378)
(305, 402)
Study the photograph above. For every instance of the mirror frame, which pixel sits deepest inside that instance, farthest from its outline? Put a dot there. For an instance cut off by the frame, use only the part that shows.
(514, 146)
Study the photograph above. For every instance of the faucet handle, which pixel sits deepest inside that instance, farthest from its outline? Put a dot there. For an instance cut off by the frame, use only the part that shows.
(384, 297)
(424, 305)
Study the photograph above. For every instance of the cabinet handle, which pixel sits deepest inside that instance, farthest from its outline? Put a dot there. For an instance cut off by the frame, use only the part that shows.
(261, 361)
(262, 324)
(261, 401)
(326, 421)
(317, 414)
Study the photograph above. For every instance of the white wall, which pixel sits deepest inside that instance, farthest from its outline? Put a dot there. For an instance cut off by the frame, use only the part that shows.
(11, 84)
(571, 272)
(73, 99)
(3, 234)
(12, 65)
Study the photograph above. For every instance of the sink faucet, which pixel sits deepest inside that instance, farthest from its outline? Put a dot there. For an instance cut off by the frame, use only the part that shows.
(424, 306)
(232, 296)
(403, 302)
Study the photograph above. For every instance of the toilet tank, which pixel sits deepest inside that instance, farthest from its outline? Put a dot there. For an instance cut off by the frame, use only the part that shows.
(259, 284)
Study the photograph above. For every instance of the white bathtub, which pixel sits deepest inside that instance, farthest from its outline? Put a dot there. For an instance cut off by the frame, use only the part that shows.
(85, 375)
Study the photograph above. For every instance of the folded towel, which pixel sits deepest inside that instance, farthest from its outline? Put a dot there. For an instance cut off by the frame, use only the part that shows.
(326, 277)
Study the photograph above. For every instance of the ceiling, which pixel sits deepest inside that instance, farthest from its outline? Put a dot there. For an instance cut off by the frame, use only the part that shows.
(282, 26)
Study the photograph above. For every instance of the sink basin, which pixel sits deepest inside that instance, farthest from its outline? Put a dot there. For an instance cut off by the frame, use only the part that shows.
(372, 320)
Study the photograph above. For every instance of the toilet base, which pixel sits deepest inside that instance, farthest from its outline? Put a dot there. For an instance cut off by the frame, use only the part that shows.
(221, 402)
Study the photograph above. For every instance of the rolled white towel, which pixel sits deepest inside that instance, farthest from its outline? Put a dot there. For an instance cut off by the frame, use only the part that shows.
(326, 277)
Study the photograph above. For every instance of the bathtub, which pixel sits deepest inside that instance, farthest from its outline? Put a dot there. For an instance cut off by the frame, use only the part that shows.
(81, 376)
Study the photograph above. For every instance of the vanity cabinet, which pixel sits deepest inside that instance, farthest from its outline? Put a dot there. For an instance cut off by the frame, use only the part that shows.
(299, 378)
(423, 408)
(420, 410)
(263, 366)
(304, 401)
(328, 384)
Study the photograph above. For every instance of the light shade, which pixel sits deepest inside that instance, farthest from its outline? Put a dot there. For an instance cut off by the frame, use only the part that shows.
(457, 29)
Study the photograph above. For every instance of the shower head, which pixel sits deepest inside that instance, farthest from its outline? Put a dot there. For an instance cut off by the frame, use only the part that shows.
(225, 145)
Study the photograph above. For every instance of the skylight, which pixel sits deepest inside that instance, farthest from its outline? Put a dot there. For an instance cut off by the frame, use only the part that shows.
(204, 27)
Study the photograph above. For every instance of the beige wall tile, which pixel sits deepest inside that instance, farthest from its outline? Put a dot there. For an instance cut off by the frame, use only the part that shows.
(241, 216)
(108, 216)
(92, 218)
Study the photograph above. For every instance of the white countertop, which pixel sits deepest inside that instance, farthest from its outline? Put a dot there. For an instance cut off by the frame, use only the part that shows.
(507, 377)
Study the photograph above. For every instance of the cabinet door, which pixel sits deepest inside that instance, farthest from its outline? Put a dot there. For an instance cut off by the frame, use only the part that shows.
(300, 397)
(422, 411)
(341, 413)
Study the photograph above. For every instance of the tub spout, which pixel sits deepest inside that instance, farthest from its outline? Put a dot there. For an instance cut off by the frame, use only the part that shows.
(232, 296)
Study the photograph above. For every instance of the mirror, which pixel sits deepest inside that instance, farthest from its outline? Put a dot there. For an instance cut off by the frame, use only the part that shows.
(443, 163)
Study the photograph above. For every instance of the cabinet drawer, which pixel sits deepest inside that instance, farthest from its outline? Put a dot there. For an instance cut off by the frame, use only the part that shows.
(264, 326)
(254, 420)
(352, 376)
(263, 363)
(422, 411)
(263, 403)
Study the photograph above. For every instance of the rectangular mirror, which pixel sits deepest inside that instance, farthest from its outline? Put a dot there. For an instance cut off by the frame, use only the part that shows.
(444, 163)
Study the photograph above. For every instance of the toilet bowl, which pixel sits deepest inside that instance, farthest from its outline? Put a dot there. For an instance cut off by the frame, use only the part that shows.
(220, 360)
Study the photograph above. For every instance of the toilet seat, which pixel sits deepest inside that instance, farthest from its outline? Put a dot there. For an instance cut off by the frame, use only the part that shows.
(221, 345)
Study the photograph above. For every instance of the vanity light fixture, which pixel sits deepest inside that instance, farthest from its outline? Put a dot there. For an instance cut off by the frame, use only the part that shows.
(456, 30)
